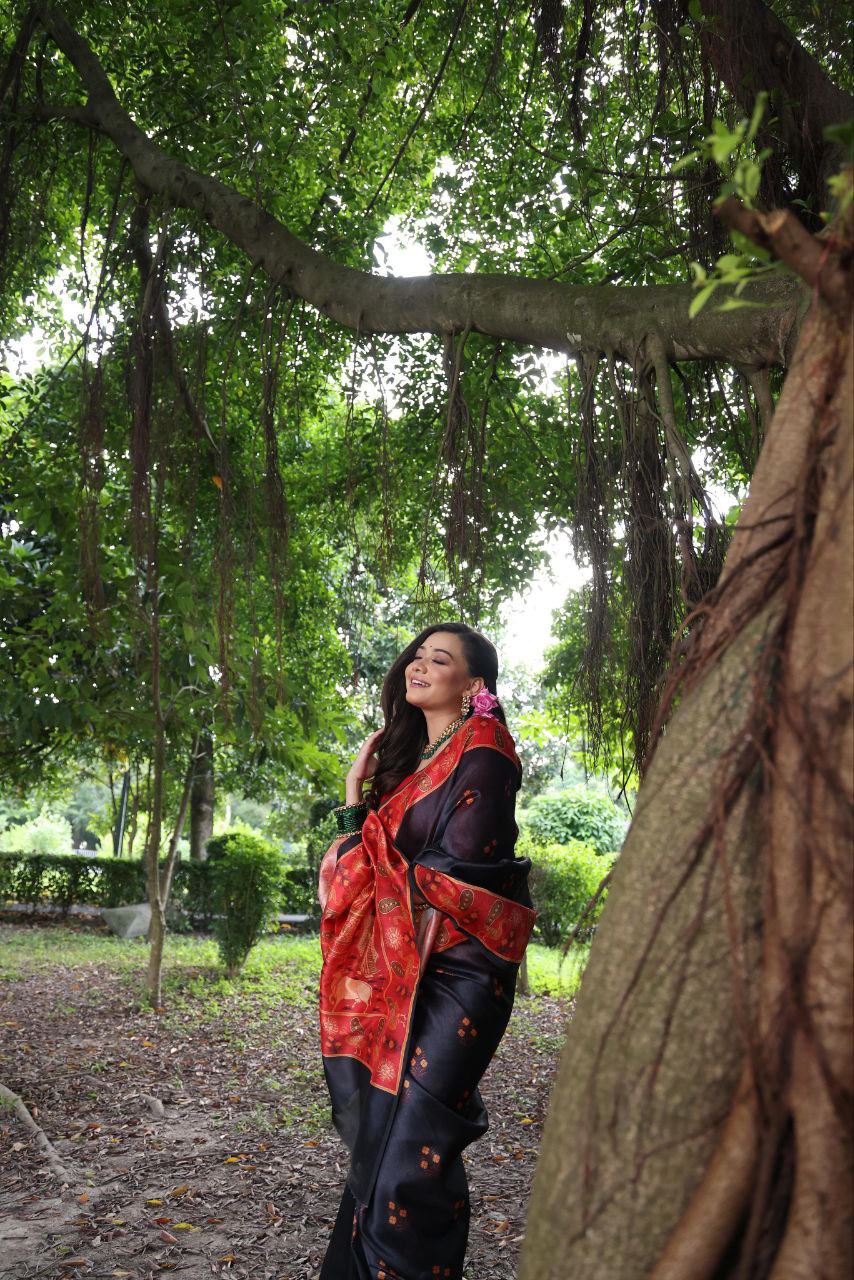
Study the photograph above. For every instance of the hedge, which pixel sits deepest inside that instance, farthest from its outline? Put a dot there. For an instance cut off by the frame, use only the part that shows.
(75, 879)
(564, 877)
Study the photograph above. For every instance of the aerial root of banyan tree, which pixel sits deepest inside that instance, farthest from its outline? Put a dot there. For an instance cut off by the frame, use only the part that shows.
(705, 1092)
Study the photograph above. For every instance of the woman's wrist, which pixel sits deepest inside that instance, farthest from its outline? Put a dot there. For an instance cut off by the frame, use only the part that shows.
(352, 792)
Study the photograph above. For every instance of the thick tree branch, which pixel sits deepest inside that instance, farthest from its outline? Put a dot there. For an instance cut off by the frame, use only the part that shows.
(538, 313)
(818, 262)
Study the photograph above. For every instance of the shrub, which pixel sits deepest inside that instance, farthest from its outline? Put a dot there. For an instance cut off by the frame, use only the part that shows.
(192, 892)
(246, 877)
(575, 814)
(564, 877)
(299, 883)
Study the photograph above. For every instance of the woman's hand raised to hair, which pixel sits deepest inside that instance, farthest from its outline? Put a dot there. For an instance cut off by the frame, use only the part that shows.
(362, 768)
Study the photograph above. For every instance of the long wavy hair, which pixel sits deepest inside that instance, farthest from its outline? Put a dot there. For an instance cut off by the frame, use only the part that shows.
(405, 735)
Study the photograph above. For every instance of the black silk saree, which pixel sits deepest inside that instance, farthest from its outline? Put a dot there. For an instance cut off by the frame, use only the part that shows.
(406, 1033)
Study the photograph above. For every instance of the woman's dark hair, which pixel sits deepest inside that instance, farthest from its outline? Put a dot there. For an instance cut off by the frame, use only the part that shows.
(405, 735)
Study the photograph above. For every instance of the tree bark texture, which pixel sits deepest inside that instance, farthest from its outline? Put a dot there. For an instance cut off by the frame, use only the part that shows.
(202, 800)
(534, 312)
(652, 1057)
(711, 1046)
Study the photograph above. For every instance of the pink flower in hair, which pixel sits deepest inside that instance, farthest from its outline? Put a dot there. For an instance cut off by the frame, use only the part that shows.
(482, 703)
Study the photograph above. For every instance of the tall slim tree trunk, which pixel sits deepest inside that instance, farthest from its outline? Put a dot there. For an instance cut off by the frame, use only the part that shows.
(157, 927)
(700, 1124)
(202, 799)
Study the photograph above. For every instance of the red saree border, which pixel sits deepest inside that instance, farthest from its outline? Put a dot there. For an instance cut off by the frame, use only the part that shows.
(499, 924)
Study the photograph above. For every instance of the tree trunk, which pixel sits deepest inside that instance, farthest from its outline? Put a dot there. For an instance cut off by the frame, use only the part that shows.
(700, 1122)
(133, 823)
(168, 871)
(524, 988)
(157, 928)
(202, 800)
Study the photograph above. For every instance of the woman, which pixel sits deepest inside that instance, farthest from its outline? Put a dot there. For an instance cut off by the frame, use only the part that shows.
(426, 916)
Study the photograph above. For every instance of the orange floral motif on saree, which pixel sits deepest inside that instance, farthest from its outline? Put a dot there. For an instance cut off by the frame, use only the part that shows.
(370, 969)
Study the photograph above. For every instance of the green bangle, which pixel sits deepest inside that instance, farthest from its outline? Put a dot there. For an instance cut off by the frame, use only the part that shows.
(350, 817)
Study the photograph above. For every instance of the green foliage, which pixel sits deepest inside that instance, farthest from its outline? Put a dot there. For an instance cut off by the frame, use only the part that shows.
(551, 973)
(89, 809)
(246, 876)
(546, 749)
(564, 877)
(732, 150)
(299, 882)
(46, 833)
(577, 813)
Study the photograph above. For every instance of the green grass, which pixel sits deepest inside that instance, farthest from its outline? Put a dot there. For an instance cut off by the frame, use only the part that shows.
(284, 968)
(279, 968)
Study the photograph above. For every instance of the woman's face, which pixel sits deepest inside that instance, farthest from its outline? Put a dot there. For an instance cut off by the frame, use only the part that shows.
(437, 677)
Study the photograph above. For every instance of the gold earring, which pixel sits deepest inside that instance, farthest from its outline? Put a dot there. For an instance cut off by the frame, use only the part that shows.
(466, 703)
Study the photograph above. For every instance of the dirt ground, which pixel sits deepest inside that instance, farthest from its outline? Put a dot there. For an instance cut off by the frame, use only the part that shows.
(201, 1145)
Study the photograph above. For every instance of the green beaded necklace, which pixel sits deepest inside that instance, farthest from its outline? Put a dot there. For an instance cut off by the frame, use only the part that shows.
(433, 747)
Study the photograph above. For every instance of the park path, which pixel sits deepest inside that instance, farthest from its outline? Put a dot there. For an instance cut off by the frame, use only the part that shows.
(202, 1146)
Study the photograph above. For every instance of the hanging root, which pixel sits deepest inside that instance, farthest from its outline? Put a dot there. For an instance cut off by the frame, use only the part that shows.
(667, 565)
(648, 568)
(91, 444)
(706, 1227)
(11, 81)
(278, 514)
(592, 543)
(141, 382)
(460, 454)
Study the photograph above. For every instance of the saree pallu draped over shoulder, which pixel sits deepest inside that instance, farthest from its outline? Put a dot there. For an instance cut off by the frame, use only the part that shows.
(411, 1013)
